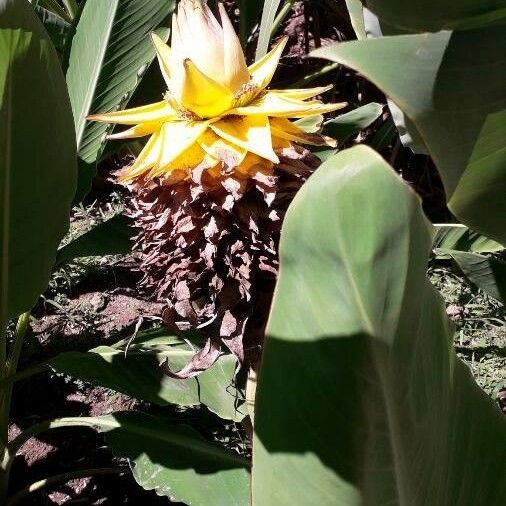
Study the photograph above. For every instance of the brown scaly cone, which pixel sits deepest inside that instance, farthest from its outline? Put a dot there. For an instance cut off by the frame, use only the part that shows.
(209, 247)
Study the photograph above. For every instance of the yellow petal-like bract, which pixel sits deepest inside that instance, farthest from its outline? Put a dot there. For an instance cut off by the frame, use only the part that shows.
(217, 113)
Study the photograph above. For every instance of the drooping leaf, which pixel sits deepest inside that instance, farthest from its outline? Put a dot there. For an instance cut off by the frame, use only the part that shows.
(175, 460)
(112, 237)
(487, 273)
(136, 372)
(344, 126)
(458, 237)
(361, 399)
(460, 115)
(110, 51)
(37, 157)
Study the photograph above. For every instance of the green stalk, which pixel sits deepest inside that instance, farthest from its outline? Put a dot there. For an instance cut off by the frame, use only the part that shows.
(84, 473)
(9, 369)
(17, 343)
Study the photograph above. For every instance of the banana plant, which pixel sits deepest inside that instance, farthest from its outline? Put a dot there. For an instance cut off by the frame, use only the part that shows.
(360, 398)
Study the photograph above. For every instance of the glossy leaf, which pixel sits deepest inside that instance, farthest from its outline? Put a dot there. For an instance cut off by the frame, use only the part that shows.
(110, 51)
(460, 115)
(361, 399)
(112, 237)
(37, 157)
(136, 372)
(175, 460)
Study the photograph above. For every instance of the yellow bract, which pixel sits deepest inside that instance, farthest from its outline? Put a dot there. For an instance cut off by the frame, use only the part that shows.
(217, 114)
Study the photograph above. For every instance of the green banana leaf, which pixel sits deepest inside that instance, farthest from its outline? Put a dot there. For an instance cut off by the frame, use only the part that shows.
(174, 460)
(487, 273)
(136, 371)
(110, 51)
(453, 236)
(37, 157)
(361, 398)
(460, 114)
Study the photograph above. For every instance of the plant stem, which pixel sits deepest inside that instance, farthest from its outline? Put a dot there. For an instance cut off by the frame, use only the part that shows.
(17, 343)
(84, 473)
(9, 369)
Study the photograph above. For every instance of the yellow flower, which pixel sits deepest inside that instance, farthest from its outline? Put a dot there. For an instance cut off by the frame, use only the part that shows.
(217, 114)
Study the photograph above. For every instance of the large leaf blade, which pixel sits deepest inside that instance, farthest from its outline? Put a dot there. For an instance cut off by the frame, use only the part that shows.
(460, 116)
(487, 273)
(37, 157)
(136, 372)
(174, 460)
(110, 50)
(361, 399)
(453, 236)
